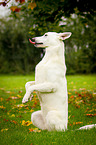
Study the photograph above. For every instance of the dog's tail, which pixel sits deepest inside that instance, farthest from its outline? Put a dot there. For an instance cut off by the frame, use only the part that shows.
(87, 127)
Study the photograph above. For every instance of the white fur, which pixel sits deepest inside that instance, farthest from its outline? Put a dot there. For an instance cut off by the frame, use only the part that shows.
(88, 126)
(50, 84)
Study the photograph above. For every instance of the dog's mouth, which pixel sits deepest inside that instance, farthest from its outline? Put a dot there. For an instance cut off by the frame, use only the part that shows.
(34, 42)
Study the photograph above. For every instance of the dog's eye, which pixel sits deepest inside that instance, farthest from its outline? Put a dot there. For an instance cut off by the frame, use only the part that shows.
(46, 35)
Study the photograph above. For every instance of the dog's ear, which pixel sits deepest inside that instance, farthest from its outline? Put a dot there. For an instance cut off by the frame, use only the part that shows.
(64, 35)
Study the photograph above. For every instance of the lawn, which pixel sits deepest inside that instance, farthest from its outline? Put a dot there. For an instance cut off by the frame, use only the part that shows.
(16, 127)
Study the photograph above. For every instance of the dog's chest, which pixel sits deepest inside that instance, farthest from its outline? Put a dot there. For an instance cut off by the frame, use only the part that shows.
(40, 73)
(49, 72)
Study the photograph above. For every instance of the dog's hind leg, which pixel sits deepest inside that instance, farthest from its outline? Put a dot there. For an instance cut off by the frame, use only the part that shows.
(55, 121)
(38, 120)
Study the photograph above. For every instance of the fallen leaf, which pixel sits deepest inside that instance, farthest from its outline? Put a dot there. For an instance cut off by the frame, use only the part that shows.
(77, 106)
(27, 108)
(26, 123)
(31, 110)
(90, 115)
(8, 92)
(69, 93)
(13, 115)
(30, 130)
(76, 123)
(15, 122)
(34, 130)
(79, 95)
(94, 94)
(82, 89)
(19, 96)
(20, 105)
(2, 89)
(14, 98)
(8, 99)
(2, 107)
(72, 97)
(20, 91)
(6, 120)
(69, 117)
(19, 116)
(1, 99)
(73, 116)
(8, 113)
(4, 129)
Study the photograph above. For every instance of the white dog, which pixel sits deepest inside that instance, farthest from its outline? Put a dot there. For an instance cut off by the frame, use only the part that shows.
(50, 83)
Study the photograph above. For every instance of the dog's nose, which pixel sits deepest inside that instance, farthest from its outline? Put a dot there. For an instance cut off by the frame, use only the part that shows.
(34, 39)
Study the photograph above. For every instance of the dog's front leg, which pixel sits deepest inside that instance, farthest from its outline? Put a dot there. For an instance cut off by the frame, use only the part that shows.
(43, 88)
(46, 87)
(28, 84)
(27, 95)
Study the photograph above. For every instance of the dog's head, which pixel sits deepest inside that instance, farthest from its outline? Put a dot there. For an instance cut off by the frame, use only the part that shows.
(50, 39)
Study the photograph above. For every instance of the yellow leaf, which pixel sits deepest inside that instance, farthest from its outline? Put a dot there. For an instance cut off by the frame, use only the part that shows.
(1, 99)
(32, 5)
(34, 130)
(13, 115)
(26, 123)
(23, 122)
(8, 113)
(2, 107)
(69, 93)
(19, 96)
(72, 83)
(20, 105)
(4, 129)
(31, 110)
(37, 130)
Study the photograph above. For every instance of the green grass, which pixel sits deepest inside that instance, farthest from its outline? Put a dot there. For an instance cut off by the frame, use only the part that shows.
(15, 128)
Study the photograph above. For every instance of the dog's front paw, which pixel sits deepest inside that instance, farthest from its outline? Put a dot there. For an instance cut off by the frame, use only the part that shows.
(24, 100)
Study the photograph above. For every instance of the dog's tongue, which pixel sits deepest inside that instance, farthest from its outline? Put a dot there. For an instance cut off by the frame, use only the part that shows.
(31, 41)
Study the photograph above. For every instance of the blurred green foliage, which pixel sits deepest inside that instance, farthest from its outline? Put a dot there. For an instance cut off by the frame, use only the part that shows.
(17, 55)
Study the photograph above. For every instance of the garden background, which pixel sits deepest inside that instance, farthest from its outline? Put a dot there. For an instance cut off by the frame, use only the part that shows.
(33, 18)
(18, 58)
